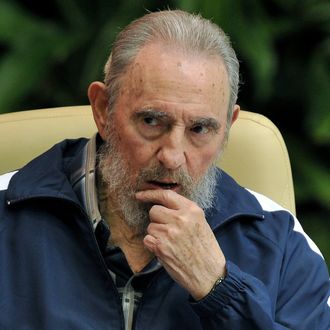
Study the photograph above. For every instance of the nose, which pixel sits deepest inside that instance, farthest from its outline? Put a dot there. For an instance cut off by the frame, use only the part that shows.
(171, 153)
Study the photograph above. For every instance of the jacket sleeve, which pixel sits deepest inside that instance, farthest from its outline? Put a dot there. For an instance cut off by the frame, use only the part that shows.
(242, 301)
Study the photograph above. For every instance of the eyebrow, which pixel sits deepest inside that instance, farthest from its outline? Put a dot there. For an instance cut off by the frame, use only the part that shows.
(208, 122)
(151, 112)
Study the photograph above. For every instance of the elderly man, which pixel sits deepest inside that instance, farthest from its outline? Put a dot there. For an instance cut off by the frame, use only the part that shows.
(136, 228)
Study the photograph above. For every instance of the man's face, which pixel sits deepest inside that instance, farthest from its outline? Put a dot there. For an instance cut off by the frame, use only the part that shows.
(169, 119)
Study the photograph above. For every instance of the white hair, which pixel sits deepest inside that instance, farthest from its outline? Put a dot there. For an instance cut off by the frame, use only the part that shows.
(192, 33)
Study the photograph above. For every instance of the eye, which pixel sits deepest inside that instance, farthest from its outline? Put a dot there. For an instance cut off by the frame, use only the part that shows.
(200, 129)
(151, 124)
(151, 121)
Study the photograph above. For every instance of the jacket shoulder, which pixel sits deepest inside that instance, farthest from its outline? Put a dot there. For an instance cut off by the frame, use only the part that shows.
(274, 210)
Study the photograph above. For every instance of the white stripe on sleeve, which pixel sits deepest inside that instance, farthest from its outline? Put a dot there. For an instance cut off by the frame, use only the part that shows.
(5, 179)
(269, 205)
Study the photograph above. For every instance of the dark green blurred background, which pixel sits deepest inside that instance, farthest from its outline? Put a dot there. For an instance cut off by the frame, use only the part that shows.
(50, 51)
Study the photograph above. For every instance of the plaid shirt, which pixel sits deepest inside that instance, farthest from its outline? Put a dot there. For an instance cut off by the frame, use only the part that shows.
(130, 285)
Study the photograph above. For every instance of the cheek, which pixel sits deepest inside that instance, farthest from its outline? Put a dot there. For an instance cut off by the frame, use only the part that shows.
(200, 160)
(135, 150)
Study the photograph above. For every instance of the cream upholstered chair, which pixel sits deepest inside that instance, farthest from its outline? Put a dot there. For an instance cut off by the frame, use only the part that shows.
(256, 155)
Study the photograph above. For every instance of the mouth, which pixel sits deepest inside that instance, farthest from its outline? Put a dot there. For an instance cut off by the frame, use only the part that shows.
(163, 185)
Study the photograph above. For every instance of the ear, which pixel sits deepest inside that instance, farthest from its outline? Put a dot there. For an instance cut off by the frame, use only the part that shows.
(99, 101)
(235, 114)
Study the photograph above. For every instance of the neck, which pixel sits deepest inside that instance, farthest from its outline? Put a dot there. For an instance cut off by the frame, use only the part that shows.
(124, 236)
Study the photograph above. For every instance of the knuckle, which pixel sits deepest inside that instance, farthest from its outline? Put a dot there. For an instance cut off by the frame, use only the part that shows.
(195, 209)
(155, 210)
(172, 233)
(166, 194)
(158, 250)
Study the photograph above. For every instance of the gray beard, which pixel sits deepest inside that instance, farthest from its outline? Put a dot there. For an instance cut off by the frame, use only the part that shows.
(115, 174)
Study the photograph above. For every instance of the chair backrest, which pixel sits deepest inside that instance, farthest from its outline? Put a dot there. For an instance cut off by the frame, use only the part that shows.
(256, 155)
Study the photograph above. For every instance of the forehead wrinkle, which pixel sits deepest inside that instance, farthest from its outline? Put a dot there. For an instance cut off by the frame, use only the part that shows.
(146, 83)
(143, 80)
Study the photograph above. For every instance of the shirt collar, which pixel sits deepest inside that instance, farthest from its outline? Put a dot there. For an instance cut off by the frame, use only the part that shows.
(83, 180)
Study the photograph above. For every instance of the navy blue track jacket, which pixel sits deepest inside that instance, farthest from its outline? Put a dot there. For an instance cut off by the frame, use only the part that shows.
(53, 276)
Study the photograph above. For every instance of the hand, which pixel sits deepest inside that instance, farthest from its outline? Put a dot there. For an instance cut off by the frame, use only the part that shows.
(182, 240)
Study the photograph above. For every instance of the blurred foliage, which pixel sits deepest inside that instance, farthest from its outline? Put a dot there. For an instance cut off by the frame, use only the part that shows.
(50, 52)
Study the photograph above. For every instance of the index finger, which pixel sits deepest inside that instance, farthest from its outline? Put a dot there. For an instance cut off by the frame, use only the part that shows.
(167, 198)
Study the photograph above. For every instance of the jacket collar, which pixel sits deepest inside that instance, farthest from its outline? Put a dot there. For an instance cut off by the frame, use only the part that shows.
(232, 201)
(47, 175)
